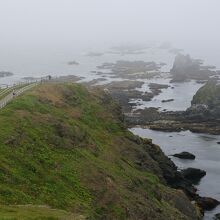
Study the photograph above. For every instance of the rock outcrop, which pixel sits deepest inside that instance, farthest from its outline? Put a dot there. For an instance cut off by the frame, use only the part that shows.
(131, 69)
(186, 68)
(193, 174)
(185, 155)
(208, 203)
(203, 116)
(5, 74)
(207, 100)
(217, 216)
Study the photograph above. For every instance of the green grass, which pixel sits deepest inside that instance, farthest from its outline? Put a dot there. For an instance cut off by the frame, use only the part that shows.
(67, 148)
(30, 212)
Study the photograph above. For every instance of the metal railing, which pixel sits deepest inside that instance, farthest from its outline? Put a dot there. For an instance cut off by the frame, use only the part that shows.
(11, 91)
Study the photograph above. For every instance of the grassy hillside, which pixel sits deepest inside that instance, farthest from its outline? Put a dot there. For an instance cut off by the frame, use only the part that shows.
(209, 94)
(64, 148)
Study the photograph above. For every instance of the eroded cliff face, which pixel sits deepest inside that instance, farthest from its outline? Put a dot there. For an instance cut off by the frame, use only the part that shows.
(68, 148)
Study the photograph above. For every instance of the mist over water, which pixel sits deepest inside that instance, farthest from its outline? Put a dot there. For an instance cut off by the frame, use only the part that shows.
(38, 37)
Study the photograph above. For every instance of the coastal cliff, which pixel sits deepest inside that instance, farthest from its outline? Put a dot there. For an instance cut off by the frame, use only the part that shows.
(67, 154)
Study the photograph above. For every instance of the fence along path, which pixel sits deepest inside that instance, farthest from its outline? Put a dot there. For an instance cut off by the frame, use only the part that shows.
(9, 93)
(5, 100)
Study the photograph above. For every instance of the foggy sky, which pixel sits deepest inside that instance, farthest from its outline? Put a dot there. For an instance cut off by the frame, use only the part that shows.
(59, 23)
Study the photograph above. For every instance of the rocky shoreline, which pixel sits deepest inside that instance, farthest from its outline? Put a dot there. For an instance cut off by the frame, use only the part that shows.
(194, 119)
(132, 69)
(183, 180)
(202, 117)
(171, 122)
(151, 117)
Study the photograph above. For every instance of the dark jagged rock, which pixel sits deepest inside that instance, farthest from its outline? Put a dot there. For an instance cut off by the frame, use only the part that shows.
(217, 216)
(124, 97)
(186, 68)
(94, 54)
(167, 100)
(185, 155)
(173, 177)
(157, 88)
(177, 124)
(193, 174)
(197, 111)
(71, 63)
(207, 203)
(122, 85)
(5, 74)
(140, 116)
(132, 69)
(124, 92)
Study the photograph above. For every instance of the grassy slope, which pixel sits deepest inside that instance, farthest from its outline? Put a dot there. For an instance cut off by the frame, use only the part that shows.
(64, 147)
(208, 94)
(33, 212)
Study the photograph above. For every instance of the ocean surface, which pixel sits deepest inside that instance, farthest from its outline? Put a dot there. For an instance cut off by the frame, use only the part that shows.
(39, 62)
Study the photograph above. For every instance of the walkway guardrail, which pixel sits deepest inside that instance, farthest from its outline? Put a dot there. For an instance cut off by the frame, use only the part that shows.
(11, 91)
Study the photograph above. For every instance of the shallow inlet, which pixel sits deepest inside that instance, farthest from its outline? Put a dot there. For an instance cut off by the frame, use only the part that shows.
(181, 93)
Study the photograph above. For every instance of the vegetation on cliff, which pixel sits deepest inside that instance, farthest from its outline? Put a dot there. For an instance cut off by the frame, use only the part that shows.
(208, 95)
(65, 148)
(207, 100)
